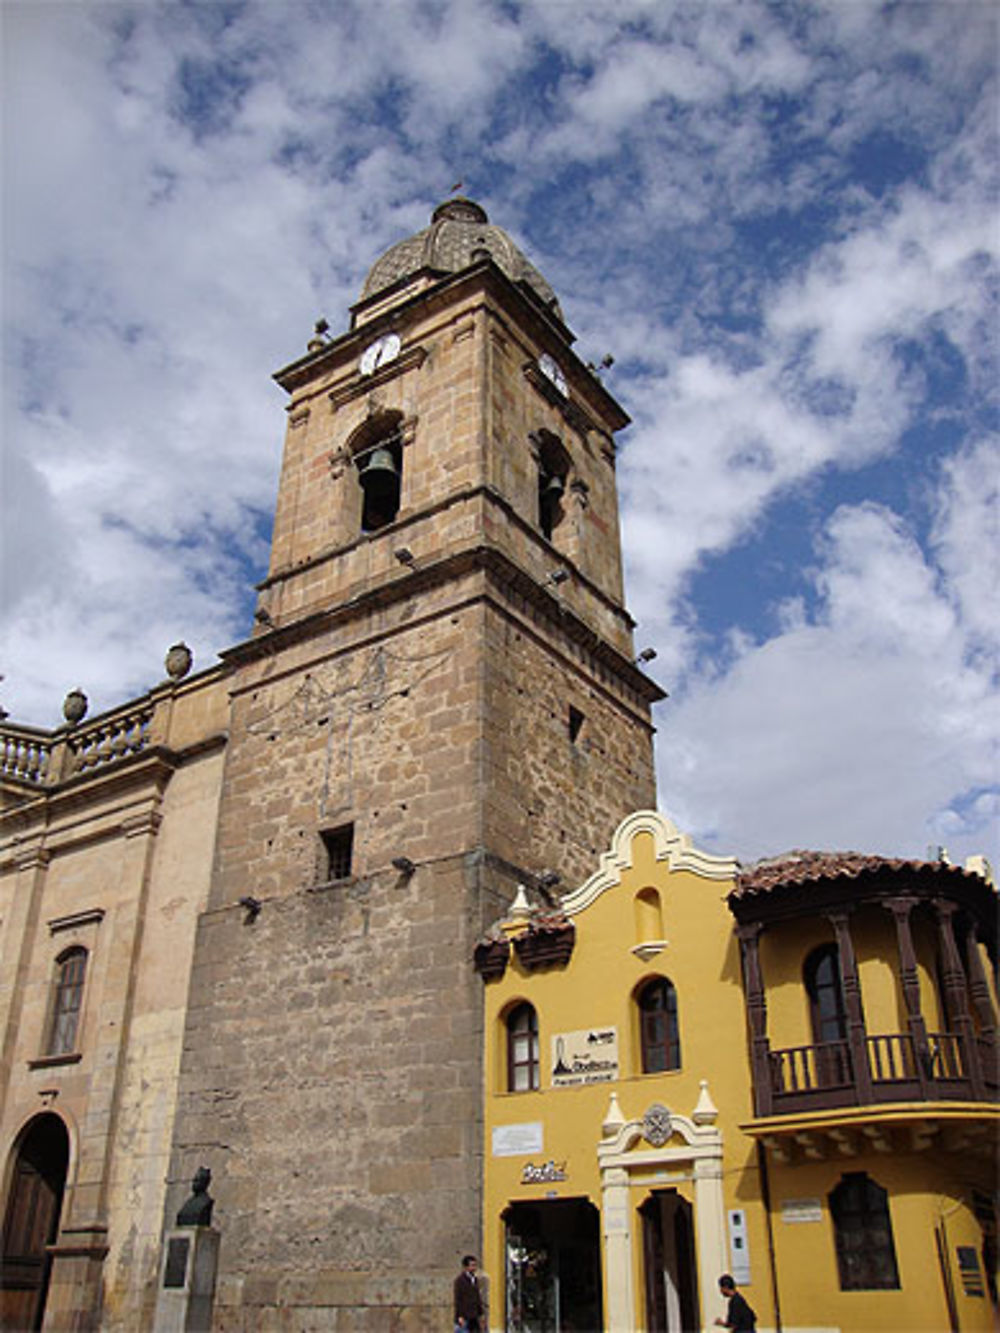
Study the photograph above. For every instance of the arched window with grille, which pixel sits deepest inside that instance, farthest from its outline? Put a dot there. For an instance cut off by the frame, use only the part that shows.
(522, 1049)
(659, 1031)
(67, 999)
(862, 1228)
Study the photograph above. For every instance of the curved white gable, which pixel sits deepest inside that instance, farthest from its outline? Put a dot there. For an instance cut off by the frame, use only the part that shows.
(671, 845)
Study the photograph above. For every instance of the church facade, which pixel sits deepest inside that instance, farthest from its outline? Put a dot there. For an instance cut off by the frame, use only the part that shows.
(238, 916)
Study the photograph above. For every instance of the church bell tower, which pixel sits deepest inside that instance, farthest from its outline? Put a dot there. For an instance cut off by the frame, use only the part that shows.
(439, 701)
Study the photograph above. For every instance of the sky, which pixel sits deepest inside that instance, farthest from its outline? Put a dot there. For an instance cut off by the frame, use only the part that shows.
(781, 221)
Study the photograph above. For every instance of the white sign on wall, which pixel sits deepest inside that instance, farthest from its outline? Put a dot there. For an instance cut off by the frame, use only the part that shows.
(739, 1252)
(587, 1056)
(517, 1140)
(801, 1210)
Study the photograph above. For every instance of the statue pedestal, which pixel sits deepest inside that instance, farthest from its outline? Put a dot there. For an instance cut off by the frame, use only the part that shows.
(187, 1281)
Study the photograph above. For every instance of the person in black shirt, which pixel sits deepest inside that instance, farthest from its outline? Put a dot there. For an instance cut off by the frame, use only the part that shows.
(739, 1315)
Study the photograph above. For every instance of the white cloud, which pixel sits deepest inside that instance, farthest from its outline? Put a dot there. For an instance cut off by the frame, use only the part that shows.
(191, 186)
(859, 727)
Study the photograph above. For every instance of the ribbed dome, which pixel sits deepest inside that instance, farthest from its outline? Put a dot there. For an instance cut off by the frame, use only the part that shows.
(459, 229)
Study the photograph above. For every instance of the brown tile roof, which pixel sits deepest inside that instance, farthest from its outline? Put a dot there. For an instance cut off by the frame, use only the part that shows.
(805, 867)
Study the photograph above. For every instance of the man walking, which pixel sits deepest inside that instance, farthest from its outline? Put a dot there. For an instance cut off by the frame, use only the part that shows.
(739, 1315)
(469, 1307)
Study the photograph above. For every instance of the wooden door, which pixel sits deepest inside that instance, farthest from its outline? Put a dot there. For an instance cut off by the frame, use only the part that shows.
(31, 1221)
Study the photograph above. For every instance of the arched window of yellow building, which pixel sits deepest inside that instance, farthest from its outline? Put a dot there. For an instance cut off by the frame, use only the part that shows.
(648, 915)
(862, 1228)
(522, 1049)
(659, 1031)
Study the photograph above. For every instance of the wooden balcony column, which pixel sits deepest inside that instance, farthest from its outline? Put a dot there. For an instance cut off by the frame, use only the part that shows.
(982, 1003)
(760, 1048)
(901, 908)
(857, 1036)
(956, 993)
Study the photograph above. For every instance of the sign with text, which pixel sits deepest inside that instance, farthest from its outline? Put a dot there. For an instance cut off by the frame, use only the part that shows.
(587, 1056)
(542, 1173)
(517, 1140)
(801, 1210)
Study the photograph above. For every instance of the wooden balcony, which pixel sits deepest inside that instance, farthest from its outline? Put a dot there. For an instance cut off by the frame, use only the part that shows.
(945, 1067)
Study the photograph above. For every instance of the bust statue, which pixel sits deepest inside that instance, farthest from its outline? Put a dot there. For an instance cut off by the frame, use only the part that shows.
(197, 1211)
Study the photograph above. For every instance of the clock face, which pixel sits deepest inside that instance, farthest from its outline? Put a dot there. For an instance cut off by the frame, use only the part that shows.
(379, 353)
(552, 372)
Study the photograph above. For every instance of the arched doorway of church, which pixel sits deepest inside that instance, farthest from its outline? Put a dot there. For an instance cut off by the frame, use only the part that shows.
(553, 1259)
(669, 1264)
(31, 1220)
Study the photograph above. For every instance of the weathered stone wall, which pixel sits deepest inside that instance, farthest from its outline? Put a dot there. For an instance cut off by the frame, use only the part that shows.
(336, 1095)
(553, 800)
(116, 861)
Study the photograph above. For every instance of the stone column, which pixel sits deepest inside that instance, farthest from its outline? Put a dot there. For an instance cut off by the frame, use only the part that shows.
(910, 978)
(710, 1225)
(953, 978)
(760, 1050)
(74, 1299)
(617, 1220)
(15, 956)
(856, 1033)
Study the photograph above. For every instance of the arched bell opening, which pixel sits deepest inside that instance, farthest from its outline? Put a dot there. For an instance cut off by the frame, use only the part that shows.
(378, 456)
(31, 1220)
(553, 472)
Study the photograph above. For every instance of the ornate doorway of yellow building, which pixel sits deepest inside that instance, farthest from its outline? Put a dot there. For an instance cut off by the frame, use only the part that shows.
(553, 1263)
(31, 1220)
(669, 1264)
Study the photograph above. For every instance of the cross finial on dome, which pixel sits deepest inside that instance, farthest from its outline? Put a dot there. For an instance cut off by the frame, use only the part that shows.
(460, 209)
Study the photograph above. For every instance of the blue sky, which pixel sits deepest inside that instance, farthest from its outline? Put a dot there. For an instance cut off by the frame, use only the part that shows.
(781, 220)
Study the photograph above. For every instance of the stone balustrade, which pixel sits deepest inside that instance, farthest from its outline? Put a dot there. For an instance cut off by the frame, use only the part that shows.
(110, 737)
(32, 757)
(25, 753)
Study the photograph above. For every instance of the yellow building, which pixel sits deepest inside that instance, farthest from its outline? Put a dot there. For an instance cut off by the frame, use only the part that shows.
(643, 1135)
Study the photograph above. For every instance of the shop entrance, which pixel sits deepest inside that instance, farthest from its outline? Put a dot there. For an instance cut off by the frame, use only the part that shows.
(668, 1262)
(31, 1221)
(553, 1262)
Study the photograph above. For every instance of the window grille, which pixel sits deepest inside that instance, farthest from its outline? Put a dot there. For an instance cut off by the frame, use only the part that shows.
(866, 1253)
(338, 845)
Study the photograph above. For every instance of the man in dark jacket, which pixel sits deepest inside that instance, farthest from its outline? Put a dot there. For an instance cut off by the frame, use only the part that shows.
(469, 1307)
(739, 1315)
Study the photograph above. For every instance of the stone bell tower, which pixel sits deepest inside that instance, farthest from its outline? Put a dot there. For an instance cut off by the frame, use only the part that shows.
(439, 700)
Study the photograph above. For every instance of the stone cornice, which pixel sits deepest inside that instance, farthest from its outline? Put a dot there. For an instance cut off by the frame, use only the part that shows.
(548, 330)
(503, 571)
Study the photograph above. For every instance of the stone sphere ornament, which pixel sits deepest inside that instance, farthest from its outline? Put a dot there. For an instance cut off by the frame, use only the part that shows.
(178, 661)
(75, 706)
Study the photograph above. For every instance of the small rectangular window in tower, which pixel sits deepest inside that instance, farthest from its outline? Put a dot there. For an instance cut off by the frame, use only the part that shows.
(576, 721)
(338, 845)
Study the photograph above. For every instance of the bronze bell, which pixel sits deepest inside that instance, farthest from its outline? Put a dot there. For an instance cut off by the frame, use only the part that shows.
(379, 479)
(379, 461)
(553, 489)
(380, 472)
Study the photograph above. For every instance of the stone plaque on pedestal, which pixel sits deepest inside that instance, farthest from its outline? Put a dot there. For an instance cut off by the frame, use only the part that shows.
(187, 1280)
